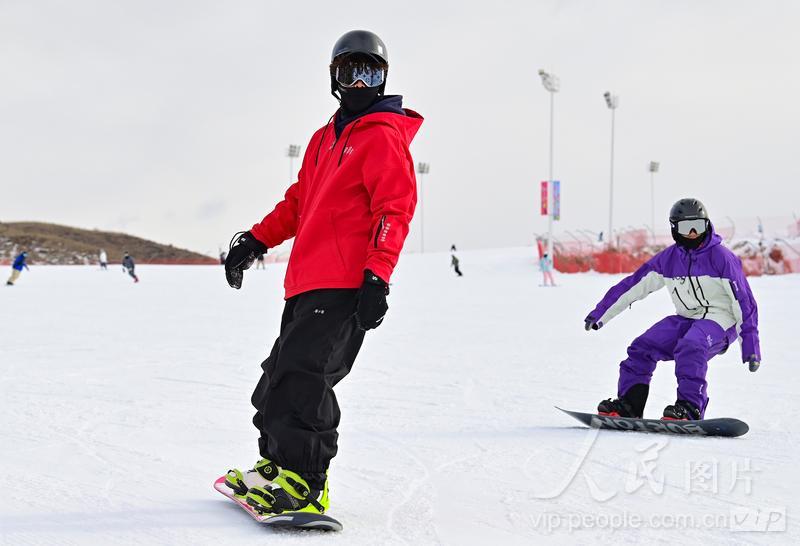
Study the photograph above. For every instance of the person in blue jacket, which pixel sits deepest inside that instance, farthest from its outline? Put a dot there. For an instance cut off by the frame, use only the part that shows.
(16, 269)
(546, 266)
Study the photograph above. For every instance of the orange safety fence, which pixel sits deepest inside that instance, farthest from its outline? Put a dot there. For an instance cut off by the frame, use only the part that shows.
(759, 257)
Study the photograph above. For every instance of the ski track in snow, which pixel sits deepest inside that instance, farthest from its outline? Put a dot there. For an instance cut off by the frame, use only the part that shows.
(122, 403)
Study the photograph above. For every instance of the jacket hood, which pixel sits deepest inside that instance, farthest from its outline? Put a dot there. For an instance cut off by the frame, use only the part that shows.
(389, 111)
(406, 125)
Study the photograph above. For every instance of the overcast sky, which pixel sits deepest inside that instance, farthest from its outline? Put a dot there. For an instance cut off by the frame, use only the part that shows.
(170, 119)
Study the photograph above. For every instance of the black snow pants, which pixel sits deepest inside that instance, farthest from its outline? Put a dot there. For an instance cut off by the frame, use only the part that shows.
(296, 408)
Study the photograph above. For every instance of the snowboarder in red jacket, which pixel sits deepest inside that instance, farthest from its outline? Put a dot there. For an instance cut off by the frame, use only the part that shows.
(349, 213)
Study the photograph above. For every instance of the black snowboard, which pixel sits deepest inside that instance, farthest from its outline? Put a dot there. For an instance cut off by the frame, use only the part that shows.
(302, 520)
(705, 427)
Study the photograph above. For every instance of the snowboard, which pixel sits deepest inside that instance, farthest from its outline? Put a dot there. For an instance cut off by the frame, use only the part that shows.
(725, 426)
(294, 520)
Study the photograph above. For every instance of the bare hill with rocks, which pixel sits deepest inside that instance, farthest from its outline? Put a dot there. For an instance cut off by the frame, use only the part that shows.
(65, 245)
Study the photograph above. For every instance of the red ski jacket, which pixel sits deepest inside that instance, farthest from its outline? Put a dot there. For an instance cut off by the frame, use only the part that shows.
(351, 205)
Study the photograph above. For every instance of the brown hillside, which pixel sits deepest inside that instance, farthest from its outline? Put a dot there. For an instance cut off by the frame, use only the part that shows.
(55, 244)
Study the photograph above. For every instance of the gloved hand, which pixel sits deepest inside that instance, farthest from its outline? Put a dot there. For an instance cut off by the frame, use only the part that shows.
(372, 306)
(590, 324)
(241, 255)
(753, 363)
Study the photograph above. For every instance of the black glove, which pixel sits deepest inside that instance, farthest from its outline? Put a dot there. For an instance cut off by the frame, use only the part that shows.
(753, 362)
(241, 255)
(590, 324)
(372, 306)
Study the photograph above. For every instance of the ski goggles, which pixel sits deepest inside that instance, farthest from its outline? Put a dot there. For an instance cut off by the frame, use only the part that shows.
(685, 227)
(349, 72)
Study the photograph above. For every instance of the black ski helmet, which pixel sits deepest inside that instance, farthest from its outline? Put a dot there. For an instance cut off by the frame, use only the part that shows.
(359, 41)
(688, 209)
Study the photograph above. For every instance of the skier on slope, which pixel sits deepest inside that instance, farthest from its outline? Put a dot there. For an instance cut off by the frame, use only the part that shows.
(546, 267)
(349, 212)
(17, 267)
(714, 306)
(454, 263)
(103, 259)
(128, 267)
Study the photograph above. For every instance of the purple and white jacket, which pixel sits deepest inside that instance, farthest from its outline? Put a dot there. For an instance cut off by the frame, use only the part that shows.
(706, 283)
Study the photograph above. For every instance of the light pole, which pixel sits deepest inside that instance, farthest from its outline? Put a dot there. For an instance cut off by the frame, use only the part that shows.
(291, 152)
(653, 168)
(422, 169)
(552, 84)
(612, 101)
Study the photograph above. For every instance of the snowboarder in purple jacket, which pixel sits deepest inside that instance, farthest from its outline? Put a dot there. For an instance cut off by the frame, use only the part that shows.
(714, 307)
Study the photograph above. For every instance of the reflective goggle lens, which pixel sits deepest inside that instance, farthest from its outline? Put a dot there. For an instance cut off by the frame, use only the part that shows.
(685, 227)
(349, 73)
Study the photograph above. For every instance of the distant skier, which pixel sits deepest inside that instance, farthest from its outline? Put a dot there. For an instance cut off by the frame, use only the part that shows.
(454, 264)
(349, 213)
(128, 265)
(546, 266)
(260, 262)
(714, 306)
(17, 267)
(222, 257)
(103, 259)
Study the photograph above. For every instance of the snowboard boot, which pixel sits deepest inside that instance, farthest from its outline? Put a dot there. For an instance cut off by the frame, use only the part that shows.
(289, 493)
(262, 474)
(682, 410)
(631, 404)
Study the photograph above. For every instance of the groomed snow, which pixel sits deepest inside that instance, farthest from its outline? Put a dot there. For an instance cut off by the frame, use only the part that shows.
(122, 403)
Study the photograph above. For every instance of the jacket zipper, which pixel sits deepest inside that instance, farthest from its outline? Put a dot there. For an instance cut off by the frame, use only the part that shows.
(346, 140)
(380, 228)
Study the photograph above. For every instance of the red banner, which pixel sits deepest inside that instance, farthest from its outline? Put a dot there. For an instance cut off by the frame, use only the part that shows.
(544, 198)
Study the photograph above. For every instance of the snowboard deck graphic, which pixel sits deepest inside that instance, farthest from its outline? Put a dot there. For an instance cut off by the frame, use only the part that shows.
(296, 520)
(725, 426)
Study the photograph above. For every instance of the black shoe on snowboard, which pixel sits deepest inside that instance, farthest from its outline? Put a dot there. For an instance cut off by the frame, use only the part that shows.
(615, 408)
(631, 404)
(681, 410)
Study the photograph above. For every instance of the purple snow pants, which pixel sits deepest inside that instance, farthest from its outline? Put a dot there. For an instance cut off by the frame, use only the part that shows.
(691, 343)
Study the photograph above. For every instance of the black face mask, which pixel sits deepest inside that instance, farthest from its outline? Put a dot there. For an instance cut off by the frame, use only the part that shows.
(689, 244)
(357, 99)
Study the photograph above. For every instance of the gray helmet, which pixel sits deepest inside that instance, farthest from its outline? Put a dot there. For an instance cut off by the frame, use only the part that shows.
(688, 209)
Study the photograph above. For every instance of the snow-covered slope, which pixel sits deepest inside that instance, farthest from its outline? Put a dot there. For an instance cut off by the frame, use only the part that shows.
(122, 403)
